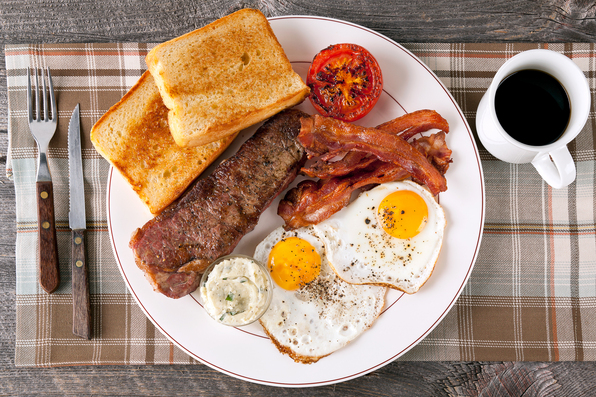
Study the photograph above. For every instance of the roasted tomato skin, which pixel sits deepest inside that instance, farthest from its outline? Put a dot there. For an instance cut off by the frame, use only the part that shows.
(345, 81)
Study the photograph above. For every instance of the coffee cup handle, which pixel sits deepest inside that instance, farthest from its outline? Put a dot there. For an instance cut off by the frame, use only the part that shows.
(556, 168)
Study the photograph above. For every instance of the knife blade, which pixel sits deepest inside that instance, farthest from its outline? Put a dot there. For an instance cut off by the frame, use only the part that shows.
(81, 314)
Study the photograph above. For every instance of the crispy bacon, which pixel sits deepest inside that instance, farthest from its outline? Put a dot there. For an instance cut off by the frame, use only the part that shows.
(351, 162)
(407, 126)
(413, 123)
(436, 150)
(370, 156)
(312, 202)
(323, 136)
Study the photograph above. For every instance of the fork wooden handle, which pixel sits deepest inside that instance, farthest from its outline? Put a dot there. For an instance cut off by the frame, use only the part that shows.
(49, 269)
(81, 305)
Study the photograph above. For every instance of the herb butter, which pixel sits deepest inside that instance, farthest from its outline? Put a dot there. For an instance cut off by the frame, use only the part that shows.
(236, 290)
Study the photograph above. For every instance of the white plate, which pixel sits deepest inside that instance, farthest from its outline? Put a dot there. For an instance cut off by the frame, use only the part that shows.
(247, 353)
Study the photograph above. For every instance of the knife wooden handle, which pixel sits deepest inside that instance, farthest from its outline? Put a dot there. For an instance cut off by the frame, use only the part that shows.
(81, 305)
(49, 269)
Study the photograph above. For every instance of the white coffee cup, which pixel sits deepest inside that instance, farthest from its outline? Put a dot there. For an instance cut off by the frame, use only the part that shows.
(552, 161)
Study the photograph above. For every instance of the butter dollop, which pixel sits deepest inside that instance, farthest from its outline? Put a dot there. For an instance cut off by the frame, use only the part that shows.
(236, 290)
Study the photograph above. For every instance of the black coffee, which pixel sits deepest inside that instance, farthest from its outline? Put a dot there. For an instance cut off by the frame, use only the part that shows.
(532, 107)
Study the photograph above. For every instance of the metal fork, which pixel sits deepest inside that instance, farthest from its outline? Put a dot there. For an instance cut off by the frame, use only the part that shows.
(43, 130)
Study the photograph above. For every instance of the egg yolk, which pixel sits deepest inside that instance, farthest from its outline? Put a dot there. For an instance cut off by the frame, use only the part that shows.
(293, 262)
(403, 214)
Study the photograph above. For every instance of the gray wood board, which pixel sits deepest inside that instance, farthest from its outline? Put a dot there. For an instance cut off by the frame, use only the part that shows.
(403, 21)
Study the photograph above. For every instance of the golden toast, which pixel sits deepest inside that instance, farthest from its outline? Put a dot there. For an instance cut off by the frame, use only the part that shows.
(135, 138)
(224, 77)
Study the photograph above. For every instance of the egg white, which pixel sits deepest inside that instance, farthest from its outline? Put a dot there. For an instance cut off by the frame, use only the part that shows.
(361, 252)
(321, 316)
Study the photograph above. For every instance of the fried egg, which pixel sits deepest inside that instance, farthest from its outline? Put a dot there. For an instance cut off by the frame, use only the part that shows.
(313, 312)
(390, 235)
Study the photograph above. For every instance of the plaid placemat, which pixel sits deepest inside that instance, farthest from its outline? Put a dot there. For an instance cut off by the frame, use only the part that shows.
(531, 296)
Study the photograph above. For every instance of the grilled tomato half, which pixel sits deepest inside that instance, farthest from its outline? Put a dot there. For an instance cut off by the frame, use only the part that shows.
(345, 81)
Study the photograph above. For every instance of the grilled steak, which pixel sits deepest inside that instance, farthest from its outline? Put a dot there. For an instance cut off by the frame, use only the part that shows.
(175, 247)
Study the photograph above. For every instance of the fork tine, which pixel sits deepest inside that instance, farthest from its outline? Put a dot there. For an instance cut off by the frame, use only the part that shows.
(37, 115)
(29, 107)
(44, 92)
(52, 98)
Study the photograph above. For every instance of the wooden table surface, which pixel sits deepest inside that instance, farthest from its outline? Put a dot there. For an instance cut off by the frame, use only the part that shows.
(45, 21)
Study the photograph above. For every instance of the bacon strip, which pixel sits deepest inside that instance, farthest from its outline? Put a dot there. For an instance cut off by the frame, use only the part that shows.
(436, 150)
(413, 123)
(312, 202)
(322, 136)
(352, 161)
(406, 126)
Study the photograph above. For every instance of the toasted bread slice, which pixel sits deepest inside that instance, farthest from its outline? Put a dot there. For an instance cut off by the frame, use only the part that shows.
(134, 137)
(224, 77)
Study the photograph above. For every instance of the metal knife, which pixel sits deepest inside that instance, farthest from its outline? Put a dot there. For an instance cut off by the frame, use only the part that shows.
(81, 315)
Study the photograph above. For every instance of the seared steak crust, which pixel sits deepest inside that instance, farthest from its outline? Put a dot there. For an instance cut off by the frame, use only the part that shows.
(175, 247)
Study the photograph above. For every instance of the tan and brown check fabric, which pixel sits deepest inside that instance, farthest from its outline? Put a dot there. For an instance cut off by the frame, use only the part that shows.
(531, 296)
